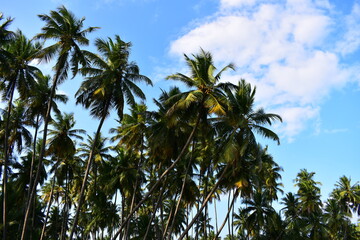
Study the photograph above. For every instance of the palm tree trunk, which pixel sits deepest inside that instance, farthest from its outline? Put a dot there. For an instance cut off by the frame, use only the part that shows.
(229, 224)
(135, 189)
(131, 206)
(48, 208)
(6, 162)
(165, 173)
(33, 157)
(206, 179)
(154, 212)
(89, 163)
(42, 153)
(169, 218)
(232, 219)
(227, 217)
(180, 197)
(204, 202)
(216, 217)
(65, 211)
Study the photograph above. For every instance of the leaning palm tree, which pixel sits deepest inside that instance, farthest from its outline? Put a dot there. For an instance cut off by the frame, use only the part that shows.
(63, 27)
(110, 82)
(37, 103)
(17, 73)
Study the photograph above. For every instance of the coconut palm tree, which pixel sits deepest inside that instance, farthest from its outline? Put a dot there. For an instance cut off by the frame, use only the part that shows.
(6, 36)
(347, 194)
(258, 211)
(62, 147)
(206, 96)
(37, 104)
(60, 141)
(236, 130)
(109, 83)
(63, 27)
(17, 73)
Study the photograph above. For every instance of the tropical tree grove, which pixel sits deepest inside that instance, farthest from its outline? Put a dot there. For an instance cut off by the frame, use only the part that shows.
(160, 172)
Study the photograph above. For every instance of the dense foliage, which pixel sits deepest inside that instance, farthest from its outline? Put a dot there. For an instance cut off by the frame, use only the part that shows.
(158, 174)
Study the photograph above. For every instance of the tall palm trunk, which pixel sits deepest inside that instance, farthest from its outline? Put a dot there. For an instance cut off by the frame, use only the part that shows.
(6, 162)
(33, 155)
(171, 216)
(154, 212)
(204, 202)
(49, 206)
(216, 217)
(89, 163)
(62, 61)
(180, 197)
(227, 216)
(165, 173)
(206, 178)
(138, 167)
(66, 207)
(228, 203)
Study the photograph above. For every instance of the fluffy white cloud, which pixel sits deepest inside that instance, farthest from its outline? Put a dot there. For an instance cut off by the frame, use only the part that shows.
(282, 48)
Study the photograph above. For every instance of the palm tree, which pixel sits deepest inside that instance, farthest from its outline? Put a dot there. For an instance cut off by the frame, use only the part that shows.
(207, 98)
(61, 137)
(258, 211)
(63, 27)
(310, 205)
(109, 83)
(21, 178)
(309, 193)
(19, 136)
(62, 147)
(6, 36)
(17, 73)
(37, 103)
(347, 195)
(131, 134)
(236, 131)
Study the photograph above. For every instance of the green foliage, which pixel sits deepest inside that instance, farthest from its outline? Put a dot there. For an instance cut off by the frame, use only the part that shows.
(168, 165)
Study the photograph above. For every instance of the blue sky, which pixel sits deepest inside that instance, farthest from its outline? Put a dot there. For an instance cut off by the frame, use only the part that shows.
(303, 56)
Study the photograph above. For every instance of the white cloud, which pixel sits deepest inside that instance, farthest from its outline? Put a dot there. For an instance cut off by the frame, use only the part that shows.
(351, 39)
(236, 3)
(336, 130)
(283, 49)
(294, 120)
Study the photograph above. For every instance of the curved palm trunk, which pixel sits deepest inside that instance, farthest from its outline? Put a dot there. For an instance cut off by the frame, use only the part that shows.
(228, 203)
(6, 162)
(179, 200)
(154, 213)
(226, 217)
(204, 203)
(48, 208)
(89, 163)
(165, 173)
(169, 217)
(60, 66)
